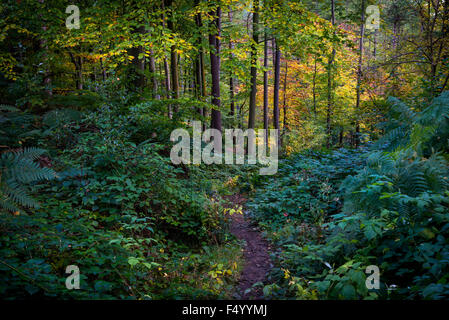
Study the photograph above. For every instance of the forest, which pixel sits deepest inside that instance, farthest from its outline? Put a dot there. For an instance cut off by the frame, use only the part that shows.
(93, 206)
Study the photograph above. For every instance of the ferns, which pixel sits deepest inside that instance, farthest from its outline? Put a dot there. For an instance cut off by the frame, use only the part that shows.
(426, 131)
(61, 116)
(4, 107)
(406, 192)
(437, 112)
(398, 128)
(17, 169)
(404, 173)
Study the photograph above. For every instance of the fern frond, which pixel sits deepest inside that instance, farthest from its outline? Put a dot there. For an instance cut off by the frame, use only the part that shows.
(4, 107)
(17, 193)
(17, 169)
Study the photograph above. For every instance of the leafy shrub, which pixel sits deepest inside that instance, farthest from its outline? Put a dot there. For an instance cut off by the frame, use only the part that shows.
(136, 225)
(394, 216)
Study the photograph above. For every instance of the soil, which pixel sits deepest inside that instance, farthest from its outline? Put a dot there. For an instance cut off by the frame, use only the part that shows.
(256, 256)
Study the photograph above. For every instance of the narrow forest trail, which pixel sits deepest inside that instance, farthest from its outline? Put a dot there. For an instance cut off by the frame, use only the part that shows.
(256, 256)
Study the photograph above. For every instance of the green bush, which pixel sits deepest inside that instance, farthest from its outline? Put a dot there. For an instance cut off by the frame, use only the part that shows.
(394, 215)
(119, 210)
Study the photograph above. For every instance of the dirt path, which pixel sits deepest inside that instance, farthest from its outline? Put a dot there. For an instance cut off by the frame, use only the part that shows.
(255, 253)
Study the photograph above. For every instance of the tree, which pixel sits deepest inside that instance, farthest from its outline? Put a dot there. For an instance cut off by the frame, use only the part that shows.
(44, 47)
(277, 71)
(166, 66)
(231, 75)
(359, 74)
(265, 86)
(152, 69)
(330, 81)
(214, 43)
(284, 100)
(314, 84)
(200, 62)
(434, 16)
(138, 62)
(173, 54)
(253, 93)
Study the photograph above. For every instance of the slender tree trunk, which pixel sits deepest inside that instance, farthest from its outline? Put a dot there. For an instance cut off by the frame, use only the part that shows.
(174, 71)
(167, 79)
(215, 70)
(359, 75)
(78, 63)
(197, 62)
(284, 100)
(197, 82)
(152, 68)
(173, 56)
(253, 93)
(314, 87)
(231, 75)
(394, 76)
(166, 68)
(277, 68)
(433, 63)
(203, 82)
(201, 76)
(80, 74)
(375, 43)
(103, 70)
(168, 86)
(329, 83)
(138, 64)
(265, 87)
(44, 46)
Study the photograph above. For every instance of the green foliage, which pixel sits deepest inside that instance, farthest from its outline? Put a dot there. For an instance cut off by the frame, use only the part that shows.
(310, 136)
(104, 98)
(305, 189)
(82, 100)
(17, 170)
(16, 127)
(393, 216)
(425, 131)
(137, 226)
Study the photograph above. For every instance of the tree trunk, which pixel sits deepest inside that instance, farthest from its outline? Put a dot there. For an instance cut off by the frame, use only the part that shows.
(138, 64)
(201, 71)
(43, 45)
(152, 68)
(231, 78)
(359, 75)
(166, 68)
(167, 79)
(265, 87)
(80, 74)
(168, 86)
(103, 70)
(277, 68)
(329, 83)
(173, 56)
(284, 100)
(78, 63)
(253, 93)
(375, 43)
(215, 70)
(314, 87)
(197, 82)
